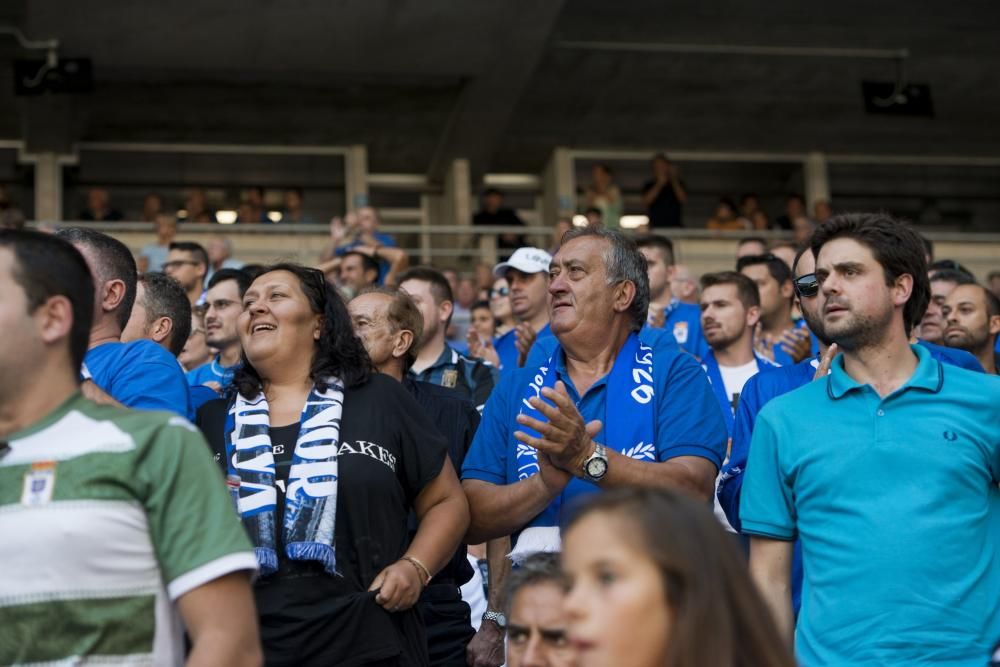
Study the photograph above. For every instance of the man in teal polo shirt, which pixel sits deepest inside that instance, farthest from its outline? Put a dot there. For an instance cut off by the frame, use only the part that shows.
(886, 471)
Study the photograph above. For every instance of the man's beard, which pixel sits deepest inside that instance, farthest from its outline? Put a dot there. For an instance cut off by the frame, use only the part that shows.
(966, 340)
(858, 331)
(815, 325)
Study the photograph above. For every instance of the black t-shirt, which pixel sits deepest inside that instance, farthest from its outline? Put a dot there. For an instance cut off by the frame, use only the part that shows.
(389, 451)
(665, 211)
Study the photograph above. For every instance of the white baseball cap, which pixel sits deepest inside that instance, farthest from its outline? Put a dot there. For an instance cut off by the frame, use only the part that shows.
(525, 260)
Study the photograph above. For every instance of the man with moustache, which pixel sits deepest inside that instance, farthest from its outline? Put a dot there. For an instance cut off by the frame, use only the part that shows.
(972, 315)
(887, 430)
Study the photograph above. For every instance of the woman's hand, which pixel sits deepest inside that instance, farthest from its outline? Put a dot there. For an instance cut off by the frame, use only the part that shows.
(398, 585)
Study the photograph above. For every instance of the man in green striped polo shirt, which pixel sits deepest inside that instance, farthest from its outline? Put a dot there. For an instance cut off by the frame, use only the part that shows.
(116, 528)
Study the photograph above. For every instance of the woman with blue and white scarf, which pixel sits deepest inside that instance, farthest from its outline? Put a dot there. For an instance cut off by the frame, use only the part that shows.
(325, 460)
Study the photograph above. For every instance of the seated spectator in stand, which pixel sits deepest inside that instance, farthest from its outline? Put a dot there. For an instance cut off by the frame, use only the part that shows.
(389, 325)
(196, 351)
(106, 547)
(220, 256)
(360, 228)
(140, 374)
(993, 282)
(482, 323)
(246, 214)
(153, 256)
(187, 263)
(604, 194)
(465, 296)
(795, 207)
(253, 197)
(726, 217)
(99, 207)
(779, 338)
(500, 306)
(223, 306)
(196, 208)
(654, 581)
(437, 362)
(802, 229)
(785, 251)
(684, 285)
(751, 245)
(11, 217)
(293, 212)
(666, 311)
(664, 195)
(536, 620)
(161, 313)
(751, 211)
(152, 208)
(493, 212)
(357, 272)
(356, 455)
(972, 315)
(594, 216)
(943, 283)
(822, 211)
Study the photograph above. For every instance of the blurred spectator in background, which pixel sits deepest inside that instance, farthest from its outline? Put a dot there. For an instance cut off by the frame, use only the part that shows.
(152, 206)
(161, 313)
(357, 271)
(993, 282)
(187, 263)
(943, 283)
(493, 212)
(253, 197)
(752, 212)
(972, 318)
(98, 208)
(684, 285)
(11, 216)
(726, 217)
(563, 225)
(795, 207)
(664, 195)
(153, 256)
(594, 216)
(822, 211)
(195, 208)
(481, 320)
(604, 194)
(293, 208)
(785, 251)
(948, 265)
(360, 228)
(500, 306)
(247, 214)
(465, 296)
(751, 245)
(196, 350)
(802, 229)
(220, 256)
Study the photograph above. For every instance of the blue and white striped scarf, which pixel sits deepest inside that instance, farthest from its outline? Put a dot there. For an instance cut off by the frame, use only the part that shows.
(311, 496)
(629, 429)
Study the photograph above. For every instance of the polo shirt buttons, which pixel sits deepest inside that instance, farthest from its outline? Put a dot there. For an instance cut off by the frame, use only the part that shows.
(881, 413)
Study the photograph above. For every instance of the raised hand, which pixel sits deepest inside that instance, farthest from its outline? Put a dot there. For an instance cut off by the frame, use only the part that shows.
(566, 440)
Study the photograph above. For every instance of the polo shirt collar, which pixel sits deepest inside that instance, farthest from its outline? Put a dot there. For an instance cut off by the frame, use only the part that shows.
(448, 357)
(563, 374)
(928, 375)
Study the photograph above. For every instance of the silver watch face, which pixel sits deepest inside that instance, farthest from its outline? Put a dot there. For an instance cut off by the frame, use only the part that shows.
(596, 467)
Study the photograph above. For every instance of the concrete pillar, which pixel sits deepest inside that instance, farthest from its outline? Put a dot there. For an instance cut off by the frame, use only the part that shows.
(48, 182)
(558, 187)
(426, 240)
(817, 179)
(356, 176)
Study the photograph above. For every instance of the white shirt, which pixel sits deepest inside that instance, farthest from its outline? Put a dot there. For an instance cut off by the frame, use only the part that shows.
(734, 377)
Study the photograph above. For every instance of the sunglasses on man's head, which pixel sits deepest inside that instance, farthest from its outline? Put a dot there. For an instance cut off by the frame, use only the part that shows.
(503, 291)
(807, 285)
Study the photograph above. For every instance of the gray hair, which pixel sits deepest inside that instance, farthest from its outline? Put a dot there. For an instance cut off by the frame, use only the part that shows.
(622, 262)
(539, 568)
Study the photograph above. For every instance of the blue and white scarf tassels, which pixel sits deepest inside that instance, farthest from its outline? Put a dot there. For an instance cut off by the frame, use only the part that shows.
(311, 496)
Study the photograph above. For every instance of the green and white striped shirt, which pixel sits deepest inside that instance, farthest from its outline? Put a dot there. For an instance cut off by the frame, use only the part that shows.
(107, 517)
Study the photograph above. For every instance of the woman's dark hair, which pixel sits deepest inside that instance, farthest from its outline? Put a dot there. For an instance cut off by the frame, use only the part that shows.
(337, 353)
(718, 618)
(895, 246)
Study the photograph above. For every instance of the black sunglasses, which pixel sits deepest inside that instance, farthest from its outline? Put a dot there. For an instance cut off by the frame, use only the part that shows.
(503, 291)
(806, 285)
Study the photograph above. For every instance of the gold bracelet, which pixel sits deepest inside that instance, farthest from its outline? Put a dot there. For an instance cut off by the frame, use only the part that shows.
(421, 568)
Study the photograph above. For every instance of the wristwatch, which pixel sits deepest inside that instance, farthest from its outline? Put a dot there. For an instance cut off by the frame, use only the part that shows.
(596, 467)
(497, 617)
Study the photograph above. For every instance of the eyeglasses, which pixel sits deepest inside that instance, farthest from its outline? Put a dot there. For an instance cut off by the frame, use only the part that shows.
(503, 291)
(178, 263)
(806, 285)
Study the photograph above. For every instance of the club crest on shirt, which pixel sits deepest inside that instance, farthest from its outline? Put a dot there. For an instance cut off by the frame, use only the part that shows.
(449, 378)
(681, 332)
(39, 483)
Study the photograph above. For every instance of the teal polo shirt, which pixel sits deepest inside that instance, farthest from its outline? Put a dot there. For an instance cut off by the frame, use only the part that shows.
(896, 503)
